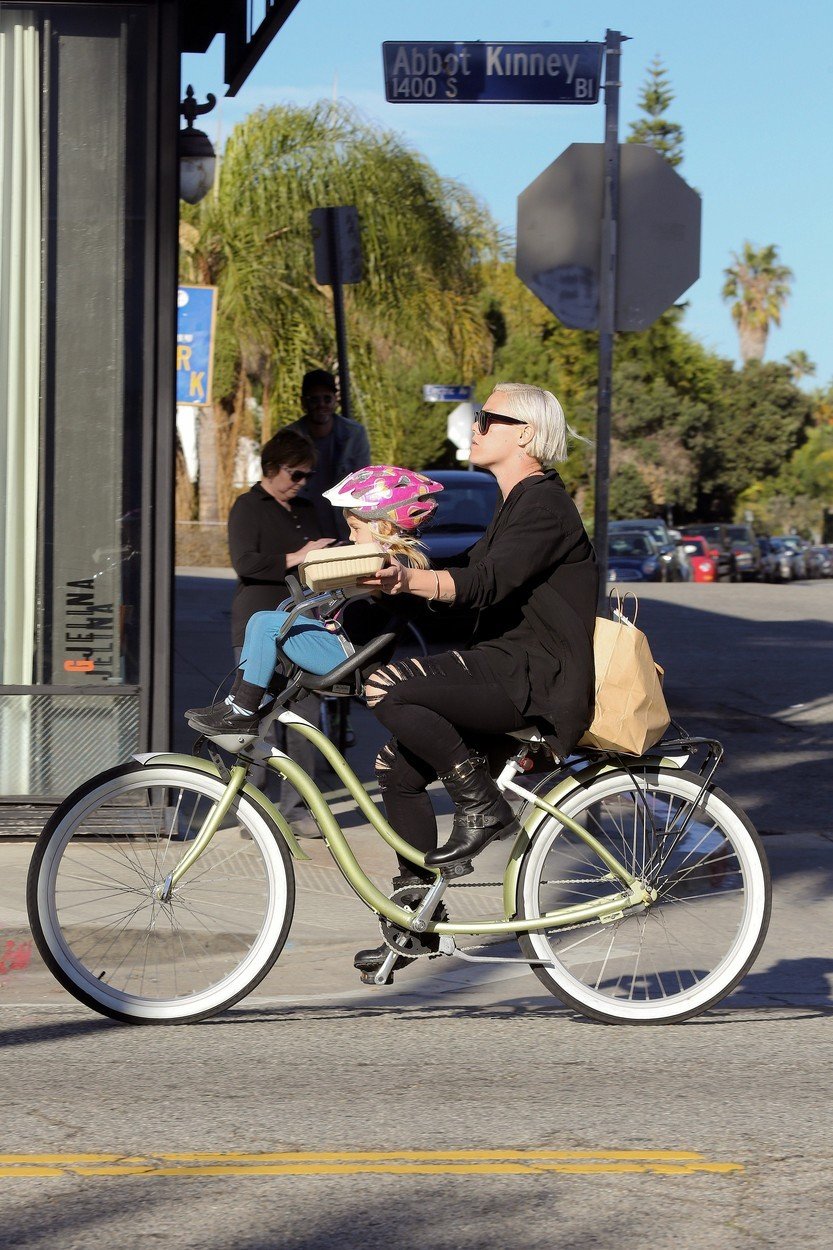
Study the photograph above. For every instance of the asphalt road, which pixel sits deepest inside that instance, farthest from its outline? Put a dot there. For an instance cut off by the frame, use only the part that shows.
(465, 1107)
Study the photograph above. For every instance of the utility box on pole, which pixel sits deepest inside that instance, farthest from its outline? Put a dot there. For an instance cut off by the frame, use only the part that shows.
(336, 244)
(337, 248)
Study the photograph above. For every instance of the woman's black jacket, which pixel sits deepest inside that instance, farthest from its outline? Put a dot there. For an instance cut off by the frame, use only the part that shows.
(534, 579)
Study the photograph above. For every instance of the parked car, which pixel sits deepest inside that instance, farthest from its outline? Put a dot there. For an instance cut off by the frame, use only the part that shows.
(746, 550)
(703, 565)
(464, 510)
(633, 557)
(671, 566)
(796, 548)
(720, 546)
(776, 561)
(824, 556)
(816, 559)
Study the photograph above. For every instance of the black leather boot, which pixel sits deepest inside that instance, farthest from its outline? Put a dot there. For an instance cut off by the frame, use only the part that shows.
(482, 813)
(368, 962)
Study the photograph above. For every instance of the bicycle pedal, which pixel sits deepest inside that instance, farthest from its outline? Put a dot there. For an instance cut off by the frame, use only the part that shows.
(369, 978)
(449, 871)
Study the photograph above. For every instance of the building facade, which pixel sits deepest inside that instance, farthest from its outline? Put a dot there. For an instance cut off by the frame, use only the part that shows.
(89, 117)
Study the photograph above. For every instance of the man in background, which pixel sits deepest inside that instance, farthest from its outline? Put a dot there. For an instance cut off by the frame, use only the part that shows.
(341, 446)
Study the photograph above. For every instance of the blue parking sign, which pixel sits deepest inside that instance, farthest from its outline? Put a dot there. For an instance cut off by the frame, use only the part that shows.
(196, 310)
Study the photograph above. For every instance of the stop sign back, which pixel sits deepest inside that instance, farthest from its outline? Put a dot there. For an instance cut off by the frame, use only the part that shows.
(559, 236)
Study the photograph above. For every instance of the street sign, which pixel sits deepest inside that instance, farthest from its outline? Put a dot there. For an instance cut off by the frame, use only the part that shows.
(458, 429)
(336, 244)
(492, 73)
(436, 394)
(196, 311)
(559, 236)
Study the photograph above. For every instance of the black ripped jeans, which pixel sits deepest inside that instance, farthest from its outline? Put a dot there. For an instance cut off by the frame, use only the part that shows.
(440, 709)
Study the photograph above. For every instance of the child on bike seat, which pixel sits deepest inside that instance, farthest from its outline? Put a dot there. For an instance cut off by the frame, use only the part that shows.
(384, 505)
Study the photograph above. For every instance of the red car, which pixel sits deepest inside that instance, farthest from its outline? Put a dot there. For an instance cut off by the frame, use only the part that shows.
(703, 565)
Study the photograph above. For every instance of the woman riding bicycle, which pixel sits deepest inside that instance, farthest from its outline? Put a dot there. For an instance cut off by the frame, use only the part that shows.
(534, 579)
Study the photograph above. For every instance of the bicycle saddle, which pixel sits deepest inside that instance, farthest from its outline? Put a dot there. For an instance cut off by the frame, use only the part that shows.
(528, 734)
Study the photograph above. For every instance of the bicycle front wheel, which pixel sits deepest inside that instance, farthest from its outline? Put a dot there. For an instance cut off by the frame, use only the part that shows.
(680, 954)
(94, 905)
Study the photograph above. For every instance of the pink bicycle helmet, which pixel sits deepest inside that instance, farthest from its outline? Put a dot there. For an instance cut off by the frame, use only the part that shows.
(383, 492)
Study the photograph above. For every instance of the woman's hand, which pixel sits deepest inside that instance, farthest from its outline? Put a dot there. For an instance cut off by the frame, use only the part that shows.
(393, 579)
(294, 558)
(398, 579)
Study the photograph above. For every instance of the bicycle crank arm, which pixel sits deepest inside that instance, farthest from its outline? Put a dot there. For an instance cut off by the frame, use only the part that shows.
(380, 977)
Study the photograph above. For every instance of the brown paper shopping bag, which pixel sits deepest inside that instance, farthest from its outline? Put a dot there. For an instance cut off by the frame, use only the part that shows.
(631, 713)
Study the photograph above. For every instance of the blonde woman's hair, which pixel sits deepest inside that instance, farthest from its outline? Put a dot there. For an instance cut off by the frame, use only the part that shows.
(394, 540)
(544, 413)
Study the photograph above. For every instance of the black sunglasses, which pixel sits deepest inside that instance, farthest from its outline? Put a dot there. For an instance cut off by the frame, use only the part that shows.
(298, 475)
(484, 419)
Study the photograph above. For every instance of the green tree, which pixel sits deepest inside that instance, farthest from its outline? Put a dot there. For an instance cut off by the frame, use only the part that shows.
(654, 128)
(416, 314)
(760, 287)
(759, 421)
(629, 494)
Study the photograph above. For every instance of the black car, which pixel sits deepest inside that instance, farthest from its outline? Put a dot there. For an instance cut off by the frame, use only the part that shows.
(747, 551)
(464, 510)
(633, 556)
(671, 568)
(719, 543)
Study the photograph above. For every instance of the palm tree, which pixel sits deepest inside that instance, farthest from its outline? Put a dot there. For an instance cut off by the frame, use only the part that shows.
(760, 288)
(801, 366)
(424, 241)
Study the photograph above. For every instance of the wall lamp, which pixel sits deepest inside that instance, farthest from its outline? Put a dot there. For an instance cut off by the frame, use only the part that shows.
(197, 161)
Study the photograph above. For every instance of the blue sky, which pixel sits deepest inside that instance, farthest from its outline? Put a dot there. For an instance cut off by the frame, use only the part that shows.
(753, 94)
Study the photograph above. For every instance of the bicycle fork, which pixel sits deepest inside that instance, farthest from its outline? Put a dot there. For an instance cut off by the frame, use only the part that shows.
(236, 780)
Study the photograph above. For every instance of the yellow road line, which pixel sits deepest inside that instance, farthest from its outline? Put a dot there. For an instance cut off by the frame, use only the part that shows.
(372, 1162)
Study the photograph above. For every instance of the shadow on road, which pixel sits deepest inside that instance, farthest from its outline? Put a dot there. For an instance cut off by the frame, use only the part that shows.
(765, 689)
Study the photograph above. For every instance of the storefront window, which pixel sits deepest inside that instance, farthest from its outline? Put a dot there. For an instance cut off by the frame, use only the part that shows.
(73, 240)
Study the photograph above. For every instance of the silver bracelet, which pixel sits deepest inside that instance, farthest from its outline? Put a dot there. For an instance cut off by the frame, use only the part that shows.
(436, 593)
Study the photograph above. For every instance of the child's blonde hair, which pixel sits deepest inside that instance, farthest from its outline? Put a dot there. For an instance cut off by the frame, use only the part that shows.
(394, 540)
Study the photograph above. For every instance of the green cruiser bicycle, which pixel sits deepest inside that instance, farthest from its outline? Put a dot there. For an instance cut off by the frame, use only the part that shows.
(639, 893)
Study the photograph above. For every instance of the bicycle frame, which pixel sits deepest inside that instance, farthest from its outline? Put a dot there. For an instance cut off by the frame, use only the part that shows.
(631, 891)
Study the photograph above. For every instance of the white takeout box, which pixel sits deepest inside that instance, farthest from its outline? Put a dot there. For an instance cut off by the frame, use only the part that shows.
(340, 568)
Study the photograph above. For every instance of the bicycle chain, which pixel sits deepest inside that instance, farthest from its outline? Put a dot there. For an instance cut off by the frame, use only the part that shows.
(475, 885)
(482, 885)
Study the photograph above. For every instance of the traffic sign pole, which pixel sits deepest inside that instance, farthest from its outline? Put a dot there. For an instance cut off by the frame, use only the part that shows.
(607, 302)
(338, 311)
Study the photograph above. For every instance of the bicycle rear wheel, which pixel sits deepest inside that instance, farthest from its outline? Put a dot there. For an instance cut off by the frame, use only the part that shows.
(96, 916)
(682, 953)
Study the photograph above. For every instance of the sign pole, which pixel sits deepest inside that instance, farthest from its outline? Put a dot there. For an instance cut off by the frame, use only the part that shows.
(607, 302)
(338, 310)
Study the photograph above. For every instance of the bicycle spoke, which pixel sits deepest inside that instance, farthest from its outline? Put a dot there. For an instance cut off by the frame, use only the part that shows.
(687, 944)
(123, 944)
